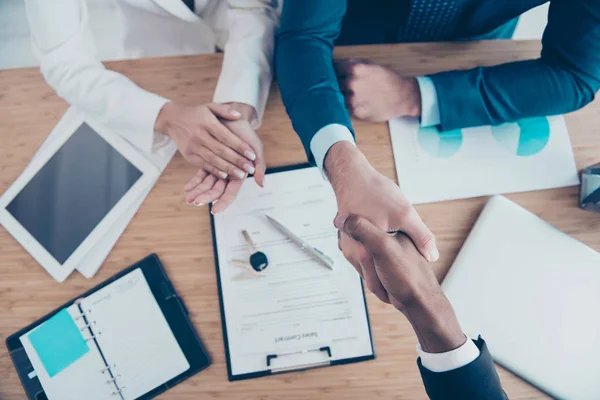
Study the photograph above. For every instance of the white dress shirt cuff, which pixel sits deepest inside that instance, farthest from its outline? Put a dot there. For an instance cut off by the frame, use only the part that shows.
(327, 137)
(430, 109)
(454, 359)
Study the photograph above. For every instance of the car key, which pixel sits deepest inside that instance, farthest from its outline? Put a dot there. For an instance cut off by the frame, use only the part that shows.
(249, 272)
(258, 259)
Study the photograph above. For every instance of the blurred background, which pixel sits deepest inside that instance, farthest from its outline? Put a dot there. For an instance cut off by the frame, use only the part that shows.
(15, 50)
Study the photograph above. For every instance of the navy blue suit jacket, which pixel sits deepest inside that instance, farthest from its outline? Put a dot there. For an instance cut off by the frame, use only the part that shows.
(564, 78)
(477, 380)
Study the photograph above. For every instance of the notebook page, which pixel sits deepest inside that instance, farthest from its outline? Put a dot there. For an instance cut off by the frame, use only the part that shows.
(134, 335)
(82, 379)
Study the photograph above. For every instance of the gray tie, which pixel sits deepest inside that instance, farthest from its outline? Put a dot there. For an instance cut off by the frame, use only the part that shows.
(430, 20)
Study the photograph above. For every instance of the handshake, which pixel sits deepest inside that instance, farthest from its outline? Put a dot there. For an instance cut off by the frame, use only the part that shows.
(395, 272)
(220, 140)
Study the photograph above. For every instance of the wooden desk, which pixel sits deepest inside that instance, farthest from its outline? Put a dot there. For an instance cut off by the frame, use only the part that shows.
(180, 234)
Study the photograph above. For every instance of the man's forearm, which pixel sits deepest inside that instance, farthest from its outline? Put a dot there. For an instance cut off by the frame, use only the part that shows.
(563, 79)
(434, 322)
(305, 72)
(338, 160)
(507, 92)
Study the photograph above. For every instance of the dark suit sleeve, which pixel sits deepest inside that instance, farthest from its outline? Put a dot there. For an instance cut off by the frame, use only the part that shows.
(565, 77)
(477, 380)
(304, 66)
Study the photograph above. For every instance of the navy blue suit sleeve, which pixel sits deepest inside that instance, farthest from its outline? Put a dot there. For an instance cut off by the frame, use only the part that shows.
(304, 66)
(477, 380)
(565, 77)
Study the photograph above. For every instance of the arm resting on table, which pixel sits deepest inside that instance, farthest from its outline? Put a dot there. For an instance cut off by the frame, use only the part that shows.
(247, 68)
(563, 79)
(62, 41)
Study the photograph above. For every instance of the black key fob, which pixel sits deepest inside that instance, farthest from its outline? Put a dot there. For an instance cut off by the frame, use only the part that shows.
(259, 261)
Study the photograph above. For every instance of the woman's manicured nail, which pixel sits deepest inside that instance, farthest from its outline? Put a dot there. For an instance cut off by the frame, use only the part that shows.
(235, 113)
(250, 155)
(222, 175)
(249, 168)
(434, 255)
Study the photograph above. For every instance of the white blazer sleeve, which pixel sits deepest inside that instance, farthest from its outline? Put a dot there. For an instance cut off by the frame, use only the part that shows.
(63, 42)
(247, 68)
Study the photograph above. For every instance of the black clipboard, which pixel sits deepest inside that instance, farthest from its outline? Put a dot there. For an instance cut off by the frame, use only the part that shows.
(270, 357)
(170, 304)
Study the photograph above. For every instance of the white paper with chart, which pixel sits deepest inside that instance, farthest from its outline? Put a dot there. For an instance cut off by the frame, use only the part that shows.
(296, 305)
(530, 154)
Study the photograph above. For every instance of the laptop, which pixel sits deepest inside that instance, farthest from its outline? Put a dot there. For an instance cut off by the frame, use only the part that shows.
(533, 293)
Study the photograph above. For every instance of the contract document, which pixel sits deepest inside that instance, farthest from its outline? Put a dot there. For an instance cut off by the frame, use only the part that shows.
(296, 313)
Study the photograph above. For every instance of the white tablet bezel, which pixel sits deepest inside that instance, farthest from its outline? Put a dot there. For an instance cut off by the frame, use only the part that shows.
(149, 174)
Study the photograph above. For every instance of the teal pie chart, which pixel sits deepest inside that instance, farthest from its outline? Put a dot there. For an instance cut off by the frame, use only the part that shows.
(524, 138)
(439, 144)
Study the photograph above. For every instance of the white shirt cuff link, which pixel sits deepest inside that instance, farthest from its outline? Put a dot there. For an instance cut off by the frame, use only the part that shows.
(327, 137)
(430, 109)
(454, 359)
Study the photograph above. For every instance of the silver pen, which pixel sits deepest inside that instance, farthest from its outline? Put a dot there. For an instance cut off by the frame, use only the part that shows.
(315, 253)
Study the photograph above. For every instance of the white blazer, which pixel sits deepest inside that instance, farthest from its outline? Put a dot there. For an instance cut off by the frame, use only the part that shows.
(62, 39)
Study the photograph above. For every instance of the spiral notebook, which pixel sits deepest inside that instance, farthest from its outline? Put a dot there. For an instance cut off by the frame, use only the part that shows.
(116, 342)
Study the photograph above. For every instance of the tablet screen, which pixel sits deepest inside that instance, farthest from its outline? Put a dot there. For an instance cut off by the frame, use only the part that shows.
(73, 192)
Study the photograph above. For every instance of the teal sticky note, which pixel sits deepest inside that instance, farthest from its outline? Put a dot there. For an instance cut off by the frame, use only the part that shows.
(58, 342)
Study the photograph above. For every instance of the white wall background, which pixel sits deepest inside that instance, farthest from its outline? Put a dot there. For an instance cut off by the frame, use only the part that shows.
(15, 48)
(15, 45)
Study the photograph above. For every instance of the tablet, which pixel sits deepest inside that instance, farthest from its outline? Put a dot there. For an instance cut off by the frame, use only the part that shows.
(72, 192)
(160, 156)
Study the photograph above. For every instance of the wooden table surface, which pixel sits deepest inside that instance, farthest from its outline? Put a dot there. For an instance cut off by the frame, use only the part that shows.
(180, 234)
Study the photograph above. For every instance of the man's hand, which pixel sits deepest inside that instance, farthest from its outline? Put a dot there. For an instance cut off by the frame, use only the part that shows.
(411, 285)
(375, 93)
(205, 141)
(204, 188)
(361, 190)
